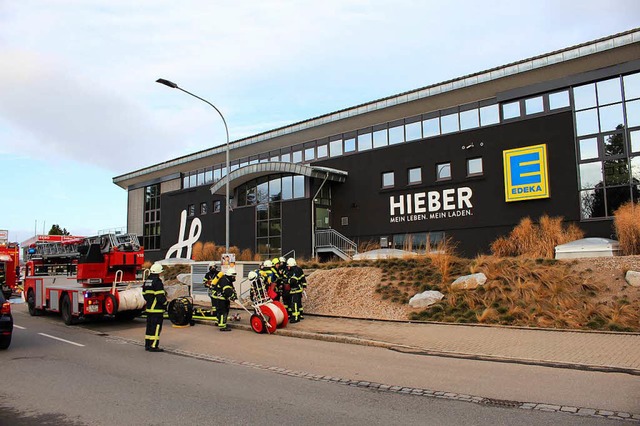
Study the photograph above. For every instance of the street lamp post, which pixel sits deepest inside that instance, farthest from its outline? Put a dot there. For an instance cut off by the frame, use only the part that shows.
(175, 86)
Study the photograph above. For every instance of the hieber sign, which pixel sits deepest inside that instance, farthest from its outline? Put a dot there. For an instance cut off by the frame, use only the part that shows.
(428, 205)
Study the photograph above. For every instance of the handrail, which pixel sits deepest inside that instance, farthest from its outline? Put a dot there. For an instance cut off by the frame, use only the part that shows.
(333, 239)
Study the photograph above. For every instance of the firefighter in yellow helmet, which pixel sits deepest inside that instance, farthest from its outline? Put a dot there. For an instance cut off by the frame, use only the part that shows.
(156, 298)
(298, 283)
(227, 293)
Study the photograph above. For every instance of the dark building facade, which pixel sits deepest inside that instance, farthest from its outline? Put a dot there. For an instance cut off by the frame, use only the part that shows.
(466, 159)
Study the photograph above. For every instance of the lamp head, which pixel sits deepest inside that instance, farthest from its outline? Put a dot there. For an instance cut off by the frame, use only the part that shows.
(167, 83)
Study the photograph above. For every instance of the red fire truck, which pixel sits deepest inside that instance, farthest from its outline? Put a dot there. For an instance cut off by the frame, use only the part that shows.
(85, 277)
(9, 265)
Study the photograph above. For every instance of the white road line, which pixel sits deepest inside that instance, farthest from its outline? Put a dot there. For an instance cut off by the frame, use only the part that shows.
(21, 328)
(62, 340)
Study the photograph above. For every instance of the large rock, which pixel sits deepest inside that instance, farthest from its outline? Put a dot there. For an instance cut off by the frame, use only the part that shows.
(426, 298)
(633, 278)
(469, 282)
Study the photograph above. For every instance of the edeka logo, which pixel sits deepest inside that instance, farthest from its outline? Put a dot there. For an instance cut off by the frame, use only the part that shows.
(418, 206)
(525, 173)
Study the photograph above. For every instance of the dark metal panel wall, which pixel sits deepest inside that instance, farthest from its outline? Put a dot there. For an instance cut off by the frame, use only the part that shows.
(296, 227)
(366, 205)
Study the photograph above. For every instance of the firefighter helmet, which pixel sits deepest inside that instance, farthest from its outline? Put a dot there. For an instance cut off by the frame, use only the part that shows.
(291, 262)
(252, 275)
(275, 261)
(230, 272)
(156, 268)
(267, 264)
(283, 260)
(212, 265)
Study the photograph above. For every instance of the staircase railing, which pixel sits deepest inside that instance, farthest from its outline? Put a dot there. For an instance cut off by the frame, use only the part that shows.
(330, 238)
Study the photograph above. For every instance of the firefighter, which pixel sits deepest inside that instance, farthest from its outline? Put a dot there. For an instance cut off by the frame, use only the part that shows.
(268, 279)
(227, 293)
(210, 281)
(156, 297)
(278, 277)
(298, 283)
(257, 291)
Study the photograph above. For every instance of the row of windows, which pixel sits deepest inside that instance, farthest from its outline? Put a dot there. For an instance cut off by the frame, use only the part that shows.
(425, 126)
(607, 120)
(204, 208)
(270, 189)
(442, 173)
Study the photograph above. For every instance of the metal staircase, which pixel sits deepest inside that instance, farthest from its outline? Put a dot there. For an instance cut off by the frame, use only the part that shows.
(331, 241)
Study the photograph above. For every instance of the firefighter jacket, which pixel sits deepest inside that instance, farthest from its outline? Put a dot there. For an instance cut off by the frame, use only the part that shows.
(296, 279)
(153, 292)
(226, 289)
(267, 276)
(210, 281)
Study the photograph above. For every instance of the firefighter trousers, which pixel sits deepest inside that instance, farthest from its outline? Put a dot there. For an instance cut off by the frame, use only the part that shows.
(295, 307)
(222, 312)
(154, 327)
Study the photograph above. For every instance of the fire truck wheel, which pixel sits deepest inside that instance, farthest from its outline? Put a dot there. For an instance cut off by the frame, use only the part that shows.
(110, 304)
(257, 324)
(65, 310)
(31, 304)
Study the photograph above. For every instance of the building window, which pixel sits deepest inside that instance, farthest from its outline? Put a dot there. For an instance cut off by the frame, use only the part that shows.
(443, 171)
(335, 148)
(297, 157)
(309, 154)
(217, 206)
(364, 142)
(474, 166)
(322, 151)
(431, 127)
(469, 119)
(511, 110)
(387, 180)
(489, 115)
(449, 123)
(533, 105)
(151, 219)
(349, 145)
(191, 210)
(415, 175)
(203, 208)
(559, 100)
(380, 138)
(413, 131)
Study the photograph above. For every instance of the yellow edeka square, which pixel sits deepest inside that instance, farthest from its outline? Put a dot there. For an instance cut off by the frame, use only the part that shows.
(525, 173)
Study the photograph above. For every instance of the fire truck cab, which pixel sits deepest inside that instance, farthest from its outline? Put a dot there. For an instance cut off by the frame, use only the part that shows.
(85, 277)
(9, 267)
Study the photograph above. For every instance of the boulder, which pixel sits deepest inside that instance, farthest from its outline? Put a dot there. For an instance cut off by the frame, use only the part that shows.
(633, 278)
(469, 282)
(426, 298)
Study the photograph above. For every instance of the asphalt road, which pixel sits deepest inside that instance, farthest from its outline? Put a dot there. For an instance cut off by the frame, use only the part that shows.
(99, 374)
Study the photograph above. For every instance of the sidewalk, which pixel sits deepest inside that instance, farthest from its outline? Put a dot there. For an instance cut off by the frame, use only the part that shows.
(585, 350)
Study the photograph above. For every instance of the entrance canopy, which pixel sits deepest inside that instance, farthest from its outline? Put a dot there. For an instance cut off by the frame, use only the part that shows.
(252, 171)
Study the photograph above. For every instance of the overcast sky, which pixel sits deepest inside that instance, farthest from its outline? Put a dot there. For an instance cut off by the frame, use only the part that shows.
(79, 103)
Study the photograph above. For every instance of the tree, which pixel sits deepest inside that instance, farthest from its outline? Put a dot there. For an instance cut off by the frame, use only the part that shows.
(55, 230)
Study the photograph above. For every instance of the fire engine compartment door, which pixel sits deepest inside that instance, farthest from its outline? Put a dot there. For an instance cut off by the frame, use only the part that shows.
(54, 297)
(39, 294)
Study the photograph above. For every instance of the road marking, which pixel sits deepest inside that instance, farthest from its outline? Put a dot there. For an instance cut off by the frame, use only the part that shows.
(62, 340)
(17, 326)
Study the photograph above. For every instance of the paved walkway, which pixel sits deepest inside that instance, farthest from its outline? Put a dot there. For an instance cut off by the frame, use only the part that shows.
(599, 351)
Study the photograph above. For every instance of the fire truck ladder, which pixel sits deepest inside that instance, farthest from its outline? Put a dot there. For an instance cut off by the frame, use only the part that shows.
(55, 249)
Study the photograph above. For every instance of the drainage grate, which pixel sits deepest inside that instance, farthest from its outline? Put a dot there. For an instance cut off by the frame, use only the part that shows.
(500, 403)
